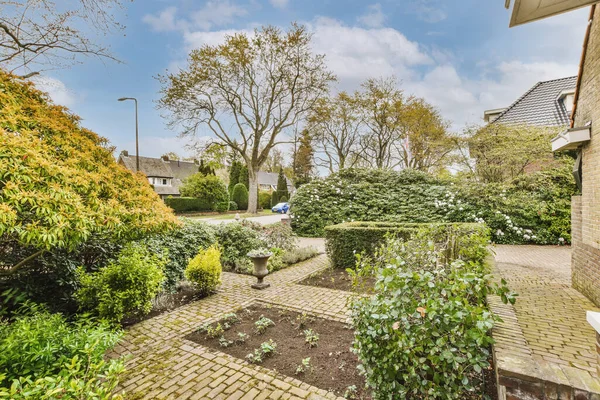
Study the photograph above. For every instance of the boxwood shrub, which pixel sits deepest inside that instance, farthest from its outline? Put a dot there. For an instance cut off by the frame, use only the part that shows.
(344, 241)
(188, 204)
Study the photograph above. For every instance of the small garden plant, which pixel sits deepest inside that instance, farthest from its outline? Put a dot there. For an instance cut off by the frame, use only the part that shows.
(262, 324)
(304, 366)
(266, 349)
(311, 337)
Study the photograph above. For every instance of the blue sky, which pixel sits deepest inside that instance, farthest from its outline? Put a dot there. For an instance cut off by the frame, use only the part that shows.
(463, 59)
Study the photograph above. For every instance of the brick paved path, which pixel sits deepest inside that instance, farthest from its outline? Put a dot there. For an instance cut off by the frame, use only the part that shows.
(164, 365)
(548, 323)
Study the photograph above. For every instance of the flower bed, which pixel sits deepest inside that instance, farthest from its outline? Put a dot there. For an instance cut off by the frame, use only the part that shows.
(314, 350)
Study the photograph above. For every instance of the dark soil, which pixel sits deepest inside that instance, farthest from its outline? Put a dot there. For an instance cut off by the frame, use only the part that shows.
(489, 380)
(172, 301)
(333, 364)
(339, 279)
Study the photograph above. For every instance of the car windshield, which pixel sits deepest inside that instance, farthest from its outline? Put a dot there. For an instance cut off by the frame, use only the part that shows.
(280, 205)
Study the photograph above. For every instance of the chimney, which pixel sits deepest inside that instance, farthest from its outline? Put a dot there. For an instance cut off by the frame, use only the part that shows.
(165, 158)
(124, 153)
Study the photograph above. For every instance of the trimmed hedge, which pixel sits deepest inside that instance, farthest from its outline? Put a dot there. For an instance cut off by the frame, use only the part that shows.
(344, 241)
(188, 204)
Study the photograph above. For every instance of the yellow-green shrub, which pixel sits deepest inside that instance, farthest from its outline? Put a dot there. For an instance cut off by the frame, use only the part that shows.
(204, 271)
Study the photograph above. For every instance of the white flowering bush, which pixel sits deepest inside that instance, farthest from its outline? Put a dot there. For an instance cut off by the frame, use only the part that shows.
(532, 209)
(366, 195)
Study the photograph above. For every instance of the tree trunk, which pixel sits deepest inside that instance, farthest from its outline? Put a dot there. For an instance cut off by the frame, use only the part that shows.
(253, 191)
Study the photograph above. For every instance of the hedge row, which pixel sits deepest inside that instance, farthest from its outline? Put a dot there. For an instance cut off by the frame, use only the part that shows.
(188, 204)
(344, 241)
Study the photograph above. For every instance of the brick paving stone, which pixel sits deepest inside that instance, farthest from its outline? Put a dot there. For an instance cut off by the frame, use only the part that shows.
(547, 326)
(163, 364)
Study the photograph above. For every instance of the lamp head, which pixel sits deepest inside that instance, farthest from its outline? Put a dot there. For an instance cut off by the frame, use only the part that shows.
(123, 99)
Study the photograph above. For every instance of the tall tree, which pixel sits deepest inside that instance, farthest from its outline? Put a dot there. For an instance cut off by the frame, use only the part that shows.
(245, 177)
(381, 104)
(303, 159)
(274, 161)
(424, 142)
(235, 170)
(263, 84)
(282, 187)
(39, 34)
(502, 152)
(336, 124)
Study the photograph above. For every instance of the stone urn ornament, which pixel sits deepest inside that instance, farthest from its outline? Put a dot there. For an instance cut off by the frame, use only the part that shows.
(260, 258)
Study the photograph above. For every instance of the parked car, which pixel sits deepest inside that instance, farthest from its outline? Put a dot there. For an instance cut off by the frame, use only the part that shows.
(281, 208)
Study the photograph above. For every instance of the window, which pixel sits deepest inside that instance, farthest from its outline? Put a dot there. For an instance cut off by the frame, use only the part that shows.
(569, 102)
(164, 181)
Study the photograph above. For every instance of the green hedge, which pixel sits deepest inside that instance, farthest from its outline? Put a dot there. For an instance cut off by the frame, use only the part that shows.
(344, 241)
(188, 204)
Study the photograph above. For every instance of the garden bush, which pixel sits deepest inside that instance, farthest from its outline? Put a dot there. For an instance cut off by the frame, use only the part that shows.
(533, 208)
(264, 200)
(233, 206)
(210, 188)
(366, 195)
(188, 204)
(60, 183)
(237, 240)
(279, 235)
(204, 270)
(124, 288)
(178, 247)
(44, 356)
(240, 196)
(425, 333)
(344, 241)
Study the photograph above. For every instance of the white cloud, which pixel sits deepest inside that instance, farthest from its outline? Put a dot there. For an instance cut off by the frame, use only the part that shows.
(355, 53)
(279, 3)
(374, 18)
(165, 20)
(430, 11)
(215, 13)
(56, 89)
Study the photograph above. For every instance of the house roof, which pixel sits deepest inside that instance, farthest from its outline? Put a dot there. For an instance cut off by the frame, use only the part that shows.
(540, 105)
(159, 168)
(271, 178)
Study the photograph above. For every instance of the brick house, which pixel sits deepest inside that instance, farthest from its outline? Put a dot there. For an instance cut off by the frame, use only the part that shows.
(166, 176)
(584, 136)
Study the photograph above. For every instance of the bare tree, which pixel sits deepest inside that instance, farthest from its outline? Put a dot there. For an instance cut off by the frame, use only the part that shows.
(247, 91)
(425, 143)
(39, 34)
(381, 105)
(336, 124)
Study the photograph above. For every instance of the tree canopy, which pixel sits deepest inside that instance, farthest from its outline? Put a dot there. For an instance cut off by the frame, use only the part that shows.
(246, 91)
(60, 182)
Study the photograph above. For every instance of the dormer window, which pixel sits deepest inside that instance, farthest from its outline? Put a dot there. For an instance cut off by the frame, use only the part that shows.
(567, 98)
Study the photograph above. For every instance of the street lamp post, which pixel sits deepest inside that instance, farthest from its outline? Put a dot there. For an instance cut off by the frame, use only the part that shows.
(137, 145)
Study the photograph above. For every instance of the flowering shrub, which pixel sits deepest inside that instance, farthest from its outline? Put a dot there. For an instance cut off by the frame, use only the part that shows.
(533, 208)
(425, 333)
(366, 195)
